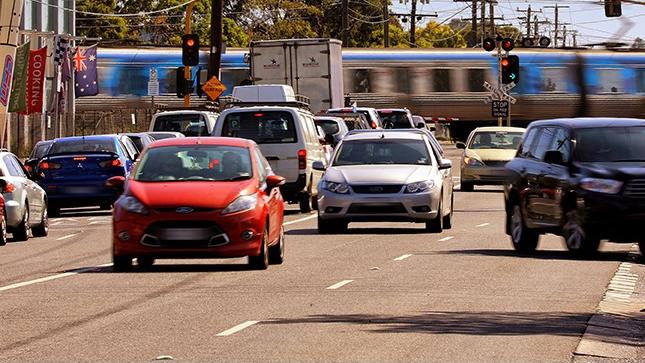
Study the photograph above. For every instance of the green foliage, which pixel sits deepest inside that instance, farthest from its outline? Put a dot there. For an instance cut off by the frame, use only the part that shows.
(100, 26)
(435, 35)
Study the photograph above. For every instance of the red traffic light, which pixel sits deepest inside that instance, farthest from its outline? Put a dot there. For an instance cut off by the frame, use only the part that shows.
(508, 44)
(489, 44)
(190, 42)
(505, 62)
(190, 49)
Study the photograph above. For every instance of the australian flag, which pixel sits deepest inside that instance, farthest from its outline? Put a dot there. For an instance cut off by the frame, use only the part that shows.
(86, 81)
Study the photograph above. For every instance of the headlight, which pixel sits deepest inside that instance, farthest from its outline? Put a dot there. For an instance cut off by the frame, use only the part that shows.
(469, 160)
(132, 205)
(606, 186)
(242, 203)
(338, 188)
(419, 187)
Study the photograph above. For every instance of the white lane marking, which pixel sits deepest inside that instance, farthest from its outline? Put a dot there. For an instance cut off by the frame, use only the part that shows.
(482, 225)
(70, 219)
(68, 236)
(339, 284)
(401, 258)
(446, 239)
(300, 220)
(96, 218)
(237, 328)
(57, 223)
(52, 277)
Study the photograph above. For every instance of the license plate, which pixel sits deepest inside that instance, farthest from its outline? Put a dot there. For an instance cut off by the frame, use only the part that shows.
(184, 234)
(80, 190)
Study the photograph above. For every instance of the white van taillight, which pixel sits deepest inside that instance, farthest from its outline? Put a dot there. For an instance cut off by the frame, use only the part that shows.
(302, 159)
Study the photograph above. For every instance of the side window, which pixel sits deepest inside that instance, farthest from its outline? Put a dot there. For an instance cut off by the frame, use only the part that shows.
(543, 143)
(311, 128)
(19, 167)
(263, 166)
(562, 143)
(553, 79)
(610, 81)
(528, 140)
(14, 170)
(131, 150)
(441, 80)
(402, 80)
(476, 78)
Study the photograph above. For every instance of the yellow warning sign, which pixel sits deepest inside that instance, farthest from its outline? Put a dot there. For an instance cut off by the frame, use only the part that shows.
(213, 88)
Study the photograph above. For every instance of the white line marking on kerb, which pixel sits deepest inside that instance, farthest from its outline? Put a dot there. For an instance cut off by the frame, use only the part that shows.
(401, 258)
(482, 225)
(237, 328)
(338, 285)
(446, 239)
(52, 277)
(68, 236)
(300, 220)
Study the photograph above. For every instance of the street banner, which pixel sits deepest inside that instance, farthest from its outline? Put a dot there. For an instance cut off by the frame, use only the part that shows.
(10, 14)
(18, 101)
(86, 73)
(36, 80)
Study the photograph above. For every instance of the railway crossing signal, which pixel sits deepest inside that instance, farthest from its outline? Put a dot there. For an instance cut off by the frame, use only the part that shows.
(613, 8)
(510, 69)
(190, 49)
(184, 86)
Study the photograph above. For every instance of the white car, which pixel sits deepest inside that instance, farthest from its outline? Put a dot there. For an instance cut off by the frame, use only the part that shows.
(385, 175)
(25, 200)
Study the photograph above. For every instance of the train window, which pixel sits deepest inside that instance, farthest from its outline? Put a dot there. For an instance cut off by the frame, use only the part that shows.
(640, 80)
(554, 80)
(133, 81)
(609, 81)
(402, 80)
(441, 80)
(476, 78)
(361, 80)
(233, 77)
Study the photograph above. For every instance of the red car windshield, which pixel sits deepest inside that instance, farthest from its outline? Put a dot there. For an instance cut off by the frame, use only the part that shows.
(195, 163)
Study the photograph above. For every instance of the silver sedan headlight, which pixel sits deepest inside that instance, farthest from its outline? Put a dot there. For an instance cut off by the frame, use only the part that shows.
(338, 188)
(419, 187)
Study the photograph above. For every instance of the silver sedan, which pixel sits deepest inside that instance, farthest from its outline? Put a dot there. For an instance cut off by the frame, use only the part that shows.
(385, 175)
(25, 200)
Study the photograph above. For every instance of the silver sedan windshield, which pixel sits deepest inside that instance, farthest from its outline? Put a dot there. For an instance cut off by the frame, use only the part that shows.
(379, 151)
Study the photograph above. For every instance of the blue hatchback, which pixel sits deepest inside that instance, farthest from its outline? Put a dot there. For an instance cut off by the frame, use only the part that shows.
(74, 171)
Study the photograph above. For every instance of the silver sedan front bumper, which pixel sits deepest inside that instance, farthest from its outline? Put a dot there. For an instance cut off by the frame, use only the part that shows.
(394, 207)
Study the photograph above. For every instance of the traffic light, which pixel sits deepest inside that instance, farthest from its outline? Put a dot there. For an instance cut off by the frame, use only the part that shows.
(190, 49)
(613, 8)
(508, 44)
(184, 86)
(489, 44)
(510, 69)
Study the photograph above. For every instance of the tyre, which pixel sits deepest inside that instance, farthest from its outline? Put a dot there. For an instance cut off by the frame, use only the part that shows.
(467, 186)
(641, 246)
(42, 229)
(314, 202)
(447, 220)
(305, 203)
(21, 233)
(276, 252)
(436, 224)
(121, 263)
(523, 238)
(578, 237)
(3, 230)
(145, 262)
(330, 227)
(106, 206)
(261, 261)
(53, 211)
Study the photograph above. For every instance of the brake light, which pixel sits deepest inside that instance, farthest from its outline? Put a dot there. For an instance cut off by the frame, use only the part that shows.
(111, 163)
(79, 158)
(258, 114)
(48, 165)
(302, 159)
(9, 188)
(373, 124)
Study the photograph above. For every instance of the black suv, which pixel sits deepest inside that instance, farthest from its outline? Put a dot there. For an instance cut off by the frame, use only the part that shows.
(583, 179)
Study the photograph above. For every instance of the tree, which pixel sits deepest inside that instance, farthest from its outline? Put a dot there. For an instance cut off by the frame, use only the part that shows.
(639, 43)
(435, 35)
(399, 38)
(100, 26)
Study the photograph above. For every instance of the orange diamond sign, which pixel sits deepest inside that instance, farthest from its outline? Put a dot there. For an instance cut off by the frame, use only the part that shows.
(213, 88)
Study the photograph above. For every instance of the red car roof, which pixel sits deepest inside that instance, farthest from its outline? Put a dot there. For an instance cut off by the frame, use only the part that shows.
(207, 140)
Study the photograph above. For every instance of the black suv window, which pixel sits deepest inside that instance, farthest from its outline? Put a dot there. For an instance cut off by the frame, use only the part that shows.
(543, 143)
(528, 140)
(562, 143)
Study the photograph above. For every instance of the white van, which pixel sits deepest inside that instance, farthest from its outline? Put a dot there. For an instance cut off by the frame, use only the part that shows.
(288, 138)
(188, 122)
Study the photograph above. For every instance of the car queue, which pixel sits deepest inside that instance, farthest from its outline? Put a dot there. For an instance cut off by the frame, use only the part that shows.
(223, 196)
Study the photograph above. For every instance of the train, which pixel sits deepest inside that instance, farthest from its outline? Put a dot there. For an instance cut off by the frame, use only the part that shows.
(438, 84)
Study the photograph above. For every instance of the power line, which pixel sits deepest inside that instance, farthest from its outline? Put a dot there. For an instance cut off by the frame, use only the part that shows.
(114, 15)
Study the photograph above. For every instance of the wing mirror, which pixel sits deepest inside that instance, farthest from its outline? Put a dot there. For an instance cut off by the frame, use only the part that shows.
(117, 183)
(445, 164)
(275, 181)
(318, 165)
(554, 157)
(421, 125)
(460, 145)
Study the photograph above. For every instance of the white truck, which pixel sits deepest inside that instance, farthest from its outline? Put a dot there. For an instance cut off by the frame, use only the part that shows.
(312, 67)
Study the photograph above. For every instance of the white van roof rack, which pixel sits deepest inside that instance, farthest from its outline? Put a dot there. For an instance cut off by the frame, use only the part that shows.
(301, 102)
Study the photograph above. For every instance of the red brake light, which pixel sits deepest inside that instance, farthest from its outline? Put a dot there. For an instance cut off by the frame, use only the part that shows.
(46, 165)
(110, 163)
(9, 188)
(258, 114)
(302, 159)
(385, 111)
(373, 124)
(80, 158)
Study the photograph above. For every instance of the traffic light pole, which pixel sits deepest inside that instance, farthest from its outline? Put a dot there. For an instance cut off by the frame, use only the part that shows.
(499, 73)
(189, 11)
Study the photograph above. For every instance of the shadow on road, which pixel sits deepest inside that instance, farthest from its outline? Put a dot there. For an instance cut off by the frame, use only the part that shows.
(487, 323)
(83, 212)
(161, 268)
(541, 254)
(355, 231)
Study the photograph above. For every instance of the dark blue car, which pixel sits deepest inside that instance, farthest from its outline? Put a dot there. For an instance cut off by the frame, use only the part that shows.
(74, 171)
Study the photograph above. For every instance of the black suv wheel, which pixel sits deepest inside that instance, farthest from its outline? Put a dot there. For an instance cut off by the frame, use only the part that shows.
(523, 238)
(579, 238)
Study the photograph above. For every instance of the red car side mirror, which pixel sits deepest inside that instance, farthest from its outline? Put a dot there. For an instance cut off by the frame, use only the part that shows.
(275, 181)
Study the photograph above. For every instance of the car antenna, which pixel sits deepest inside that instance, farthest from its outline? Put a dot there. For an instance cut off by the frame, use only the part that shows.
(382, 135)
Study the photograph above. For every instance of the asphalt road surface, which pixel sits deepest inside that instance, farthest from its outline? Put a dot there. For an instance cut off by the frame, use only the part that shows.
(381, 292)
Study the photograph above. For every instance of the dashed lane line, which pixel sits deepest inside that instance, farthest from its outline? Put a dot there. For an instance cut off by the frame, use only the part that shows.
(67, 236)
(401, 258)
(340, 284)
(238, 328)
(482, 225)
(300, 220)
(446, 239)
(52, 277)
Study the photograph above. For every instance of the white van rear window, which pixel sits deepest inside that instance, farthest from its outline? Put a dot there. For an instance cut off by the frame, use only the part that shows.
(187, 124)
(272, 127)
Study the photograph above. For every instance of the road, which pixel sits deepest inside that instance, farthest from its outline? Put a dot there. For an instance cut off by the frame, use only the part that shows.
(381, 292)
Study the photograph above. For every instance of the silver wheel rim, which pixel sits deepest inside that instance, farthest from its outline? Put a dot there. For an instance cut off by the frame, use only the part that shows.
(574, 232)
(516, 224)
(4, 229)
(281, 242)
(45, 221)
(27, 226)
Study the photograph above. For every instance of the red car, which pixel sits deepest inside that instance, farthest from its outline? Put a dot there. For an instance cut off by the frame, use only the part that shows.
(194, 197)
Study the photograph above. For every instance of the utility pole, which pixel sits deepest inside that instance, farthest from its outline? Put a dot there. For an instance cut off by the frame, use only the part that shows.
(564, 37)
(574, 34)
(413, 25)
(344, 22)
(215, 52)
(557, 24)
(473, 29)
(492, 17)
(386, 24)
(483, 21)
(527, 18)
